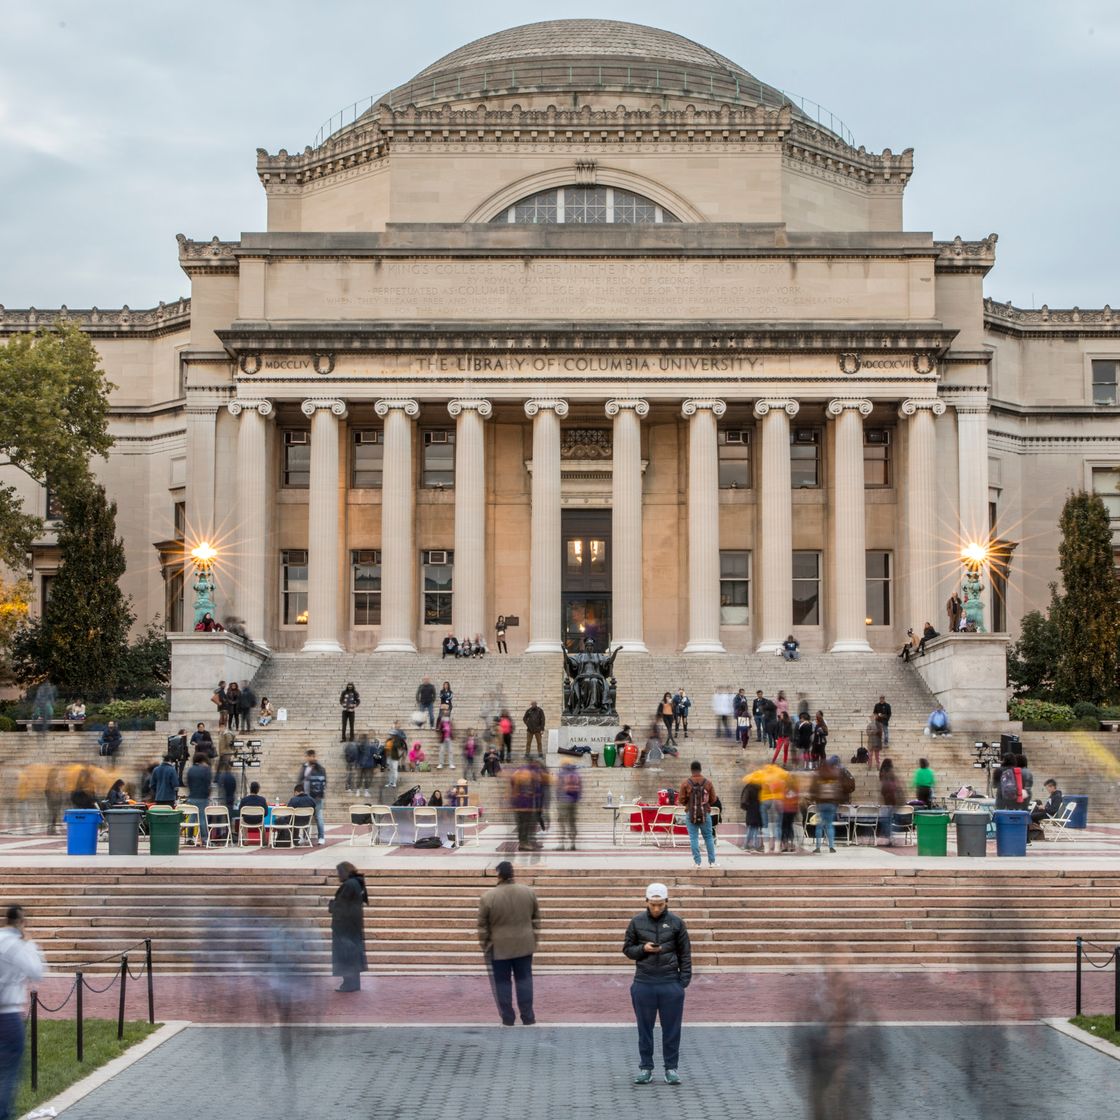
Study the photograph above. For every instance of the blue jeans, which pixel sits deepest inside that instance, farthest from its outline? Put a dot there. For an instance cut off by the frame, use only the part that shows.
(827, 812)
(319, 824)
(694, 831)
(651, 1000)
(504, 974)
(759, 728)
(12, 1037)
(200, 804)
(773, 812)
(431, 710)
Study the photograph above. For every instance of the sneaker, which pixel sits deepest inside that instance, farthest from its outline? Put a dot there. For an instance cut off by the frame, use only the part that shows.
(696, 867)
(832, 851)
(440, 766)
(713, 864)
(645, 1076)
(322, 841)
(672, 1077)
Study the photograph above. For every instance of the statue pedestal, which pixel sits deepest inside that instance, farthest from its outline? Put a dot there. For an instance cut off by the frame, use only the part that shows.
(968, 674)
(594, 735)
(198, 662)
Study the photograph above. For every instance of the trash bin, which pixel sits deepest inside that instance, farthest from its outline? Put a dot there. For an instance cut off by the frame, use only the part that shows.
(1080, 816)
(124, 831)
(609, 753)
(933, 832)
(972, 833)
(81, 831)
(1011, 832)
(163, 828)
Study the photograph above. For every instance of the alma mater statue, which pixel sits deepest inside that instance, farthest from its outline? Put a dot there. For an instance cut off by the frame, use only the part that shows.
(589, 686)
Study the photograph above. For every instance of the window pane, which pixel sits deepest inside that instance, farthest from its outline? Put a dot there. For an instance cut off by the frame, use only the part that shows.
(734, 466)
(368, 462)
(575, 556)
(437, 577)
(879, 602)
(733, 565)
(876, 460)
(1106, 483)
(439, 459)
(294, 587)
(806, 588)
(804, 463)
(583, 205)
(297, 464)
(1104, 381)
(597, 550)
(878, 565)
(806, 565)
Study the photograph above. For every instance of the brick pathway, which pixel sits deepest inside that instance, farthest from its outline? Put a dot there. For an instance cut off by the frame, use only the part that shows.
(487, 1073)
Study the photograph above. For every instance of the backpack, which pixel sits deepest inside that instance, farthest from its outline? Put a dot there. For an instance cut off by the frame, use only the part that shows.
(861, 755)
(317, 786)
(428, 842)
(418, 799)
(1010, 787)
(699, 801)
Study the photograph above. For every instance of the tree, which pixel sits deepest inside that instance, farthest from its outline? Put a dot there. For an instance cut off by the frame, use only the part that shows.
(81, 641)
(146, 666)
(55, 417)
(1088, 618)
(15, 602)
(1032, 661)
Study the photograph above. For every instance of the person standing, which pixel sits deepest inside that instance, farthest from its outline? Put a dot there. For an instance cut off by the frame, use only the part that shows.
(665, 711)
(882, 712)
(20, 961)
(505, 730)
(165, 782)
(426, 700)
(500, 634)
(348, 700)
(828, 791)
(874, 735)
(657, 942)
(200, 779)
(246, 704)
(313, 778)
(396, 750)
(178, 751)
(348, 935)
(682, 702)
(509, 920)
(534, 725)
(698, 794)
(569, 792)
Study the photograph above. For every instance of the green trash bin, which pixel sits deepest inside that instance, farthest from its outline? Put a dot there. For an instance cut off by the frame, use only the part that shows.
(610, 752)
(163, 828)
(933, 832)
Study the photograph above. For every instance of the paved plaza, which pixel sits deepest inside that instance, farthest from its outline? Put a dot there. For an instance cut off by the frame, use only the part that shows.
(981, 1071)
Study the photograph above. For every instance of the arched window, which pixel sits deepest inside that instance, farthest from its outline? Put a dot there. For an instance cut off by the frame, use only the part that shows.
(585, 206)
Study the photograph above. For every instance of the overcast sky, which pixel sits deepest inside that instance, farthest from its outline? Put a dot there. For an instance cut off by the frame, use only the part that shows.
(122, 124)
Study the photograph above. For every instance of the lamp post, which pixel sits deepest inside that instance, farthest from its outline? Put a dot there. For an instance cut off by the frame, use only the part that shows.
(974, 556)
(203, 556)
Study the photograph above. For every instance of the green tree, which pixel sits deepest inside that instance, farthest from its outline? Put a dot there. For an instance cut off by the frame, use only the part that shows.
(1032, 661)
(55, 416)
(15, 602)
(1088, 616)
(146, 666)
(82, 640)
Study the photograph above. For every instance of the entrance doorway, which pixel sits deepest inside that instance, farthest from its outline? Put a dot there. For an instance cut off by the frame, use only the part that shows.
(585, 584)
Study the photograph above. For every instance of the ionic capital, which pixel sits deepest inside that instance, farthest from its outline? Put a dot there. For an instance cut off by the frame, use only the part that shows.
(616, 404)
(470, 404)
(841, 404)
(314, 404)
(532, 407)
(921, 404)
(236, 407)
(710, 404)
(387, 404)
(776, 404)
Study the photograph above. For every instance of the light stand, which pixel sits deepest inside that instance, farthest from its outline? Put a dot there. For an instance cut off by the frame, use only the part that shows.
(246, 753)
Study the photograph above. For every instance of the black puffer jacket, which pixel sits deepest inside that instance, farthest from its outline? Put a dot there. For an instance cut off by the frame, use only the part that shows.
(673, 963)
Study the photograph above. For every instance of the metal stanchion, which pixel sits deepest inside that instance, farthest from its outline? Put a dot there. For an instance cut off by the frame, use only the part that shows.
(1077, 982)
(34, 1040)
(80, 984)
(151, 986)
(1116, 988)
(120, 1005)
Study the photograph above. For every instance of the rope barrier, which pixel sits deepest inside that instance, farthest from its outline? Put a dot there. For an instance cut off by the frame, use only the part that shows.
(112, 956)
(97, 991)
(1101, 948)
(54, 1010)
(136, 975)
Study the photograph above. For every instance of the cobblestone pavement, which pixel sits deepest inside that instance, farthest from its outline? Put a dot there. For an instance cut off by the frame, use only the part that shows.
(491, 1073)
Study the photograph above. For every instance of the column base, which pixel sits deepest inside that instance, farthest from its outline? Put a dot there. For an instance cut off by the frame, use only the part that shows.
(321, 645)
(629, 646)
(850, 645)
(545, 647)
(704, 646)
(768, 647)
(395, 645)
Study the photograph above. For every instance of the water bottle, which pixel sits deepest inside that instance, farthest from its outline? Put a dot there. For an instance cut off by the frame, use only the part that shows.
(610, 799)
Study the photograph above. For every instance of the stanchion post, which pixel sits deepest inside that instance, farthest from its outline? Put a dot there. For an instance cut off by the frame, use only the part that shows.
(1077, 981)
(120, 1005)
(79, 983)
(34, 1040)
(1116, 988)
(151, 986)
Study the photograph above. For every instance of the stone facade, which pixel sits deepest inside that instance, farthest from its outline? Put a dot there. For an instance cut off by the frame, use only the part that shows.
(786, 412)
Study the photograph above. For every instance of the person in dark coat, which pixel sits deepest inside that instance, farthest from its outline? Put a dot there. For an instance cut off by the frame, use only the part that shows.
(348, 935)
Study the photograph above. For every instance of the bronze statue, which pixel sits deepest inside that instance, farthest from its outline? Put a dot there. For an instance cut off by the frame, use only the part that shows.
(589, 686)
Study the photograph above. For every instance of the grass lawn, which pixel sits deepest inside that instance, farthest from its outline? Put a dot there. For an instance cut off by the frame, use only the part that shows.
(58, 1065)
(1103, 1026)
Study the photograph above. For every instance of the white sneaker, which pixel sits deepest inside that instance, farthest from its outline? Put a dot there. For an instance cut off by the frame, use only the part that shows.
(713, 864)
(452, 766)
(440, 766)
(322, 841)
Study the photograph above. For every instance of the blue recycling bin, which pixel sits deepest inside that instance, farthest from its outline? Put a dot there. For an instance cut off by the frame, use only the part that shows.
(81, 831)
(1080, 816)
(1011, 832)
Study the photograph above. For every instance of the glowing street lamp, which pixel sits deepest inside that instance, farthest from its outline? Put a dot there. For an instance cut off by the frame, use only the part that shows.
(203, 556)
(974, 556)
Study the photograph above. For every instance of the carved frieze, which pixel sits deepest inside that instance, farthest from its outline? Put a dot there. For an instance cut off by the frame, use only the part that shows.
(585, 443)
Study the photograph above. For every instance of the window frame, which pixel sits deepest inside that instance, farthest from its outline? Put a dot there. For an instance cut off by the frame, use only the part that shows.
(727, 461)
(366, 596)
(815, 443)
(888, 586)
(286, 444)
(290, 595)
(886, 460)
(1102, 360)
(443, 617)
(735, 580)
(357, 442)
(426, 444)
(818, 580)
(554, 201)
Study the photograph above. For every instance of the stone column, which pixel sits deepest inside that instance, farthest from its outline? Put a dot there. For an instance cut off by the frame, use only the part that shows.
(201, 443)
(972, 475)
(627, 625)
(544, 591)
(468, 599)
(398, 552)
(252, 513)
(775, 568)
(920, 513)
(703, 525)
(848, 543)
(324, 526)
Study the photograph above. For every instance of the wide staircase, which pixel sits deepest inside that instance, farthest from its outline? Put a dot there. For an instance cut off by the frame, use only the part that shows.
(424, 921)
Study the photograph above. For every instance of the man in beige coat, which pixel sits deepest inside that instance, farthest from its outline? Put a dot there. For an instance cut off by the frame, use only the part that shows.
(509, 920)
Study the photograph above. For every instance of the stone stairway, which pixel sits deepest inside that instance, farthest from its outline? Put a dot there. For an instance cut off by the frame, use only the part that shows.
(424, 921)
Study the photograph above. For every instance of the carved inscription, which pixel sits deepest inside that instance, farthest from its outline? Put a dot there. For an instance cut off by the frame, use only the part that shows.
(591, 363)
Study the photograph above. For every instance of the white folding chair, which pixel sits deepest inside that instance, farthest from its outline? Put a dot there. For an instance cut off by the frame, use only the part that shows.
(282, 824)
(381, 818)
(635, 829)
(359, 818)
(866, 819)
(1057, 828)
(251, 819)
(904, 823)
(468, 818)
(217, 817)
(301, 826)
(424, 818)
(188, 826)
(661, 827)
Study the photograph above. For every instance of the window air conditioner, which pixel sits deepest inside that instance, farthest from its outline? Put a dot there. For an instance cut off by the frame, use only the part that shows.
(736, 437)
(805, 435)
(367, 437)
(880, 437)
(296, 437)
(438, 556)
(435, 437)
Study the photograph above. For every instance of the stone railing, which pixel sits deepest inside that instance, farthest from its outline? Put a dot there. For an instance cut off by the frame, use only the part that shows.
(1041, 318)
(95, 320)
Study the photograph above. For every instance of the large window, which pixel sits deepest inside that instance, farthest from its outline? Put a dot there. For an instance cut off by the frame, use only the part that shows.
(879, 588)
(806, 588)
(876, 457)
(368, 456)
(734, 459)
(585, 206)
(439, 459)
(1104, 381)
(438, 565)
(1106, 484)
(366, 582)
(734, 588)
(297, 460)
(293, 586)
(805, 458)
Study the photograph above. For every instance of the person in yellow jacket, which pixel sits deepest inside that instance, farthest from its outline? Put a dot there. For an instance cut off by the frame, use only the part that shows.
(772, 782)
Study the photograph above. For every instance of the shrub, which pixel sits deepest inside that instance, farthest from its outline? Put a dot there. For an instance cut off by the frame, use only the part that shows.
(1109, 713)
(1083, 708)
(1039, 711)
(150, 708)
(1087, 723)
(6, 724)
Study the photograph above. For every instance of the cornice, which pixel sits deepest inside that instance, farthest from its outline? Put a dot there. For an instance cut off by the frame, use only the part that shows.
(207, 257)
(1047, 322)
(960, 256)
(118, 322)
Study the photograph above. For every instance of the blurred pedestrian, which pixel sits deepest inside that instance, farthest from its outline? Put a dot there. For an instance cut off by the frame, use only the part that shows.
(200, 779)
(665, 711)
(470, 754)
(348, 700)
(20, 961)
(828, 792)
(314, 780)
(722, 707)
(348, 937)
(568, 794)
(657, 942)
(534, 727)
(873, 738)
(509, 920)
(681, 705)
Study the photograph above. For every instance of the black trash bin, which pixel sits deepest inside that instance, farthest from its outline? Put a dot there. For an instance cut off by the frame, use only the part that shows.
(972, 833)
(124, 831)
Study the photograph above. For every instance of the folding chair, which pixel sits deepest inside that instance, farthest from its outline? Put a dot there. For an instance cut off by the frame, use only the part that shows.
(424, 818)
(188, 826)
(661, 827)
(845, 816)
(282, 823)
(251, 819)
(635, 819)
(381, 817)
(1056, 828)
(866, 818)
(468, 817)
(301, 826)
(904, 823)
(217, 817)
(359, 818)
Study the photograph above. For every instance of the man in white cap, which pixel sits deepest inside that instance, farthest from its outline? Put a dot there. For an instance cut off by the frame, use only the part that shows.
(657, 942)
